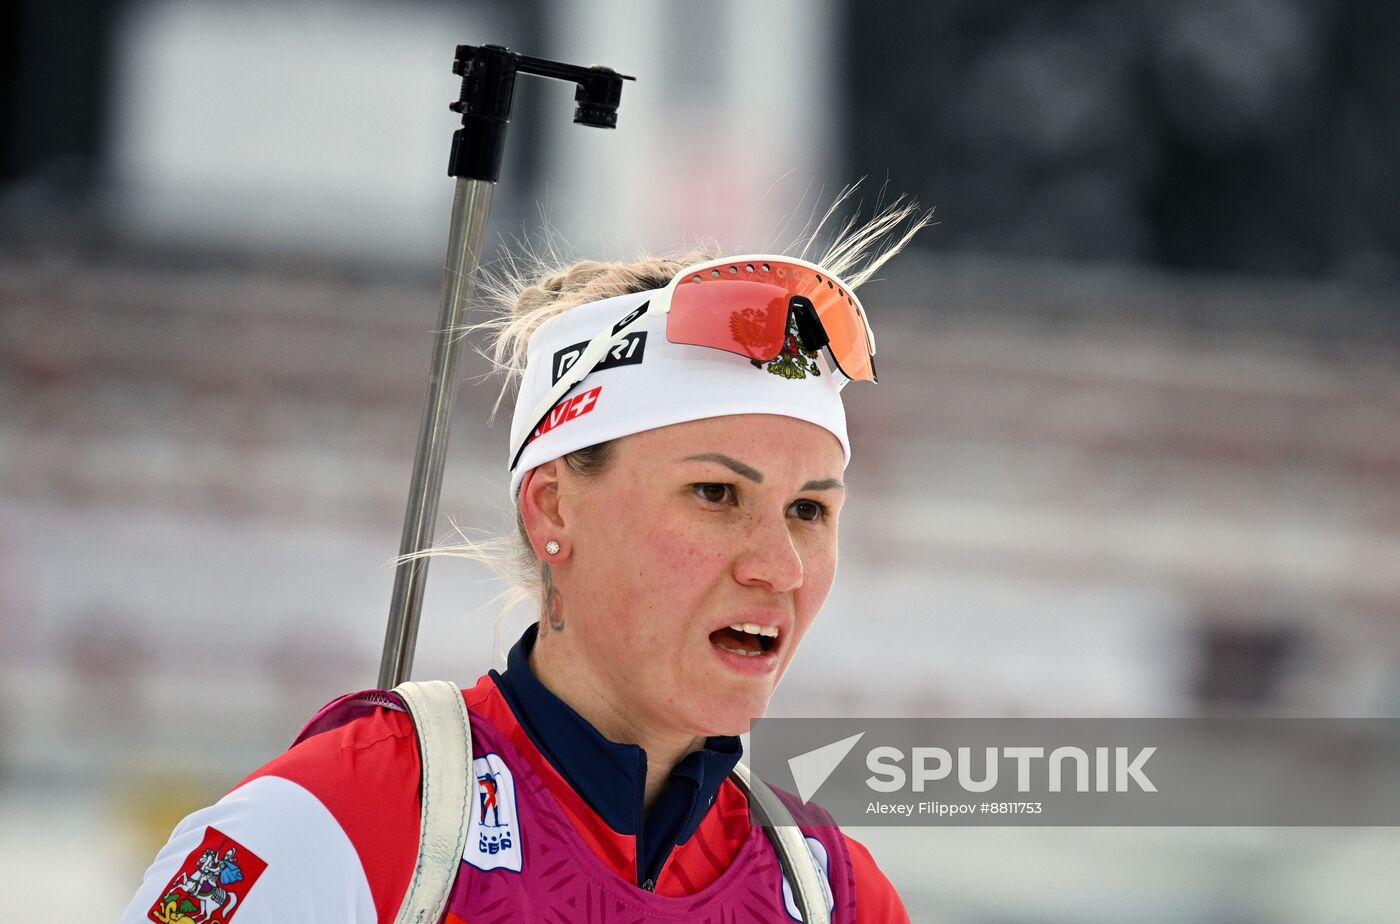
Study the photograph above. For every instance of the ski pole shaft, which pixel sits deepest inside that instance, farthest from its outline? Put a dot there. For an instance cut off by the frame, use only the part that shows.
(471, 205)
(488, 85)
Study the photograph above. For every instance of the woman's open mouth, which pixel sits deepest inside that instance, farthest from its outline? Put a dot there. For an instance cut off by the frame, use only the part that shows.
(747, 639)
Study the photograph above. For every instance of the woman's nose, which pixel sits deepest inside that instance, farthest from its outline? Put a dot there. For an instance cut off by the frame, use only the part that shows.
(770, 558)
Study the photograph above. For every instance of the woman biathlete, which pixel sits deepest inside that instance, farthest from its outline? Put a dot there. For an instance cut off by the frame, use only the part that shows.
(676, 458)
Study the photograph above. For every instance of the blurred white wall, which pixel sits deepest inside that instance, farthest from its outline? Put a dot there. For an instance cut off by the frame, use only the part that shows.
(731, 128)
(318, 126)
(323, 127)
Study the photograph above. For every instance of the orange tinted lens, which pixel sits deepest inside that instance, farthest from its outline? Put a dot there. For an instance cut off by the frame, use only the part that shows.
(743, 308)
(729, 312)
(841, 320)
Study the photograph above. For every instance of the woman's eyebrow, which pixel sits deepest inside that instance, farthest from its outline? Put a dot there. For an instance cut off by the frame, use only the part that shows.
(754, 475)
(734, 465)
(826, 484)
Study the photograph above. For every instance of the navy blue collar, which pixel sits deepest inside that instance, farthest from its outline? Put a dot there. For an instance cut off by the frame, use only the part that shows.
(611, 777)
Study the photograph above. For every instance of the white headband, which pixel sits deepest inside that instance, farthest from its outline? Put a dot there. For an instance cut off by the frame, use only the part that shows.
(648, 382)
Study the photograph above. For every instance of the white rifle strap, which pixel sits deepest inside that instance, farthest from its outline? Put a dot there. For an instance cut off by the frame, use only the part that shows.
(795, 857)
(445, 746)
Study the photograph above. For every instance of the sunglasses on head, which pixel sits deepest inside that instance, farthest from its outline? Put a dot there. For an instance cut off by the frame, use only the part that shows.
(746, 306)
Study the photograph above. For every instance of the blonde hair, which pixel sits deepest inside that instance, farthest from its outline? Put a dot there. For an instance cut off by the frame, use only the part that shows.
(524, 291)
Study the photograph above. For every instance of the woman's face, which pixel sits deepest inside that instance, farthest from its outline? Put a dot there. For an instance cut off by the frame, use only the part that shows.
(690, 529)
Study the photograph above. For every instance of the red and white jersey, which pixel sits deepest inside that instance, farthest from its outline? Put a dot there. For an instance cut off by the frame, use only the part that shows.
(328, 832)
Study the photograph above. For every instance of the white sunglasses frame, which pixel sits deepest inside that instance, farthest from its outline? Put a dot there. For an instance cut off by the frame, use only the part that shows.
(661, 304)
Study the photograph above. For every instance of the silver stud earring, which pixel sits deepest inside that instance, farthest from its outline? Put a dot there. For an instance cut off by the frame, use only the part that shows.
(551, 547)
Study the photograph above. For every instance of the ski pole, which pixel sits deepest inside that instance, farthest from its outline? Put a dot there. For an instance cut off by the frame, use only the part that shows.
(488, 85)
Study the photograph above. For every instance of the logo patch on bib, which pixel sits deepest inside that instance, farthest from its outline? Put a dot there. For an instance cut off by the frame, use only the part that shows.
(493, 839)
(210, 884)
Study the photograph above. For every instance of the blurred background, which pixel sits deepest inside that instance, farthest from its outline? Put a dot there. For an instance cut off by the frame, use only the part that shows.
(1136, 448)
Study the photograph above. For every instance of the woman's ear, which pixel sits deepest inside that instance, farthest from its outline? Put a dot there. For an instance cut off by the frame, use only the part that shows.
(539, 510)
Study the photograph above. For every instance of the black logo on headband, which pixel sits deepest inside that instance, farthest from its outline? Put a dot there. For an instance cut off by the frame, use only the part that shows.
(633, 315)
(626, 352)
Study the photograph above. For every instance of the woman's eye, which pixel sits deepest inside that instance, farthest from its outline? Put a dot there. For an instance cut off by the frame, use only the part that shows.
(808, 510)
(714, 493)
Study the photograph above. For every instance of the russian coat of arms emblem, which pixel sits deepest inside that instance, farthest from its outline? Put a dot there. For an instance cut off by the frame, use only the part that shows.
(793, 362)
(210, 884)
